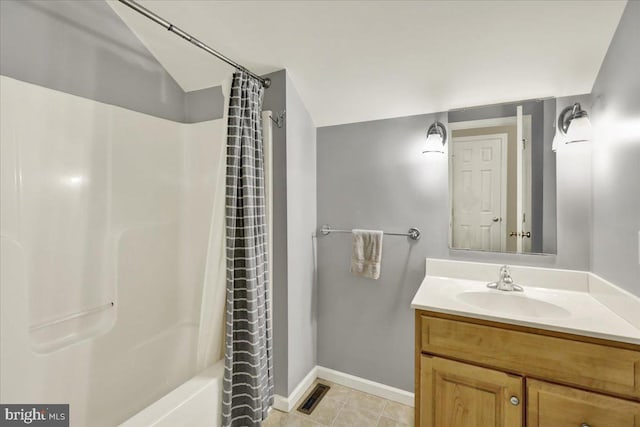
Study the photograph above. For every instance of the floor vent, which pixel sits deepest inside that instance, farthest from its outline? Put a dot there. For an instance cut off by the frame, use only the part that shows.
(313, 399)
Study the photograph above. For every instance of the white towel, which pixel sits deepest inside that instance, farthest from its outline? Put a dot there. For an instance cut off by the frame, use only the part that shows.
(366, 253)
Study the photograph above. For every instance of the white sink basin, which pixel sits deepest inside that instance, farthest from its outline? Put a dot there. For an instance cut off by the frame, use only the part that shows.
(569, 301)
(514, 303)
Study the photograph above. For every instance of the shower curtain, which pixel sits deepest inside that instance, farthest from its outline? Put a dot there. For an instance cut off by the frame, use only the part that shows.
(248, 375)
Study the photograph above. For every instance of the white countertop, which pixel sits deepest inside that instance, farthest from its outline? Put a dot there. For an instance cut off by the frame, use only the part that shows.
(585, 315)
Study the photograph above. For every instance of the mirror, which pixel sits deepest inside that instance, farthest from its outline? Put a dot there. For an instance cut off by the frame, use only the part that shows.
(502, 177)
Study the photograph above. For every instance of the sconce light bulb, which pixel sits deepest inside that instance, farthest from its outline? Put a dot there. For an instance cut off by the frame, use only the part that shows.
(434, 144)
(579, 130)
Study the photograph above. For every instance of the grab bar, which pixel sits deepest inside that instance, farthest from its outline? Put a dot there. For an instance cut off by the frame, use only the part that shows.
(71, 316)
(413, 233)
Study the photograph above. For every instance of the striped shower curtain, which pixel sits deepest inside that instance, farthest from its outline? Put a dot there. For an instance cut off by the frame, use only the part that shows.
(248, 374)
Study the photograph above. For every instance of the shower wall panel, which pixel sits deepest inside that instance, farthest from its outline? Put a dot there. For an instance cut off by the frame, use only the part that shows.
(99, 204)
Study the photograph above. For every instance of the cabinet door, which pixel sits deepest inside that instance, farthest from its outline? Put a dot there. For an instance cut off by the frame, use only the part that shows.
(454, 394)
(551, 405)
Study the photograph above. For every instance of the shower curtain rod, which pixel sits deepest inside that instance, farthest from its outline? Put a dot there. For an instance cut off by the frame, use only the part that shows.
(188, 37)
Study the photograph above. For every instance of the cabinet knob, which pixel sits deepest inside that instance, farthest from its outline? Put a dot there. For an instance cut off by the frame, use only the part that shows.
(515, 402)
(584, 425)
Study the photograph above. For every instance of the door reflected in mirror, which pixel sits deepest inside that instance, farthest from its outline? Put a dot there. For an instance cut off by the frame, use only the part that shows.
(502, 177)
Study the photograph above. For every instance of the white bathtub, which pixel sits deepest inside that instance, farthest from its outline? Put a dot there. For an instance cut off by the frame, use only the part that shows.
(196, 403)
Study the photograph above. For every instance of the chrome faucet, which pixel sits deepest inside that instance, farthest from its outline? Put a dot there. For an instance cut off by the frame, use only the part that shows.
(505, 282)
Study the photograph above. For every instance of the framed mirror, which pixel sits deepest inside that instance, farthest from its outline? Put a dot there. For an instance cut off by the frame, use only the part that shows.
(502, 177)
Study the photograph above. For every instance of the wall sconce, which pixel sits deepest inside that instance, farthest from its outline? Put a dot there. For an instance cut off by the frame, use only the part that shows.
(573, 126)
(436, 138)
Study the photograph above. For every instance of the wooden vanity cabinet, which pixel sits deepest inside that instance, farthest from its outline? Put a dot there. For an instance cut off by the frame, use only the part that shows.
(476, 373)
(555, 405)
(463, 395)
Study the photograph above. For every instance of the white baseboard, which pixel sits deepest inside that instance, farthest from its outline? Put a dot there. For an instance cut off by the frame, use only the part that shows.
(286, 404)
(366, 386)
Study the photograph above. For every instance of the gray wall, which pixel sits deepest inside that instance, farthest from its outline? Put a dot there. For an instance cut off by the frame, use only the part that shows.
(573, 202)
(616, 160)
(275, 99)
(294, 221)
(373, 175)
(83, 48)
(301, 224)
(203, 105)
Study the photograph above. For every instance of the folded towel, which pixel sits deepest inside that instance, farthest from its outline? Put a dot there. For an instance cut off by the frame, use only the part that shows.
(366, 253)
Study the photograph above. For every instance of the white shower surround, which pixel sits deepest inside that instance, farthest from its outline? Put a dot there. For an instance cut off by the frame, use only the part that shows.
(136, 191)
(197, 403)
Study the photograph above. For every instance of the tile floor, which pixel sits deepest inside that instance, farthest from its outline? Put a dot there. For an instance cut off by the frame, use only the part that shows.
(345, 407)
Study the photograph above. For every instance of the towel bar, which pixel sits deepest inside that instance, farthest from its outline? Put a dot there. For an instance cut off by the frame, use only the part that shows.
(413, 233)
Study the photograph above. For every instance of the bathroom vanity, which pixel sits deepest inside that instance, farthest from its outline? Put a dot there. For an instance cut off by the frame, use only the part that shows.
(546, 357)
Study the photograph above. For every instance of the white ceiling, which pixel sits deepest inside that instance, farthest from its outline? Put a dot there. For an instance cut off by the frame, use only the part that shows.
(366, 60)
